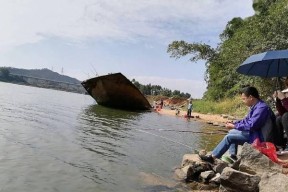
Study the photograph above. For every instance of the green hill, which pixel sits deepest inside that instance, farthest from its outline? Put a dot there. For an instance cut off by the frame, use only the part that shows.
(43, 78)
(43, 74)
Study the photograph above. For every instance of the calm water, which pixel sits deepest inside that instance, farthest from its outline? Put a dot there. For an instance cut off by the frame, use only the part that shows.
(59, 141)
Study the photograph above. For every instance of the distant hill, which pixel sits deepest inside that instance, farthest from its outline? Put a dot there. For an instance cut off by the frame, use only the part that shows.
(43, 74)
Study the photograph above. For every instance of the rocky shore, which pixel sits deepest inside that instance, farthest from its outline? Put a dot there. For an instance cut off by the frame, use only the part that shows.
(252, 172)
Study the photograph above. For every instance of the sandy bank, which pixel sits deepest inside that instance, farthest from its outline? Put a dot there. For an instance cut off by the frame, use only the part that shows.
(202, 117)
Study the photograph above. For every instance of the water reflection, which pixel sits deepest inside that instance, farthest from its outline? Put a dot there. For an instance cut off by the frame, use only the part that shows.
(212, 138)
(99, 116)
(63, 143)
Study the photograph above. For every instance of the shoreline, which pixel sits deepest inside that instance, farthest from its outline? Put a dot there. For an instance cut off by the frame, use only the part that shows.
(208, 118)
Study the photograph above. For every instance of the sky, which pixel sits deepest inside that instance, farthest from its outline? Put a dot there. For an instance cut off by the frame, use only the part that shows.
(85, 38)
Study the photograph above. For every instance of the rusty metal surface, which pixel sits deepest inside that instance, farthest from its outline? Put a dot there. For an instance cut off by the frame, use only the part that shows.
(116, 91)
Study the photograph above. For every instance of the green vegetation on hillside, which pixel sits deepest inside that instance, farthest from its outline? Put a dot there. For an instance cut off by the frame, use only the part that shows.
(43, 74)
(266, 30)
(43, 78)
(158, 90)
(6, 77)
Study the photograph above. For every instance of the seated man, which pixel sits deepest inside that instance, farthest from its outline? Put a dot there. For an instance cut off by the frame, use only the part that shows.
(282, 117)
(245, 130)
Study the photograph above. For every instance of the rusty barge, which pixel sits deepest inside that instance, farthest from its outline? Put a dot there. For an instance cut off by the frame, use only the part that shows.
(116, 91)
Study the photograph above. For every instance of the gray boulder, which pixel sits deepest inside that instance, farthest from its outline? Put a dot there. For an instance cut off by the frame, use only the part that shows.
(235, 181)
(273, 182)
(254, 162)
(216, 179)
(191, 168)
(219, 167)
(207, 175)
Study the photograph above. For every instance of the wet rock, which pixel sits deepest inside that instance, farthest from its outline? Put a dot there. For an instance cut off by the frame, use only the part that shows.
(236, 181)
(179, 174)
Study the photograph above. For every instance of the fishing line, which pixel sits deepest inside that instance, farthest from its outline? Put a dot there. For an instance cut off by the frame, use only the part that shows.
(220, 132)
(164, 138)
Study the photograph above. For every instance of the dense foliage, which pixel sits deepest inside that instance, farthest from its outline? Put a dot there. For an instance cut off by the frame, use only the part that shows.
(158, 90)
(266, 30)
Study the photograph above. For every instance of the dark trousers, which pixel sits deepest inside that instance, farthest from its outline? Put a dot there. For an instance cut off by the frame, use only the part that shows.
(189, 112)
(282, 124)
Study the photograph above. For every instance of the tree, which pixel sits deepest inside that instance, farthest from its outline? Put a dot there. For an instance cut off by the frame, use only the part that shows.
(267, 30)
(5, 72)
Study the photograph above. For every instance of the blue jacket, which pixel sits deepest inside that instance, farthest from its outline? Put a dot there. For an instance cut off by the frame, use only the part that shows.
(255, 120)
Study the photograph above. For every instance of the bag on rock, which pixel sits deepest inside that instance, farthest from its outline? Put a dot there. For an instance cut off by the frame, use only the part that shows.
(267, 149)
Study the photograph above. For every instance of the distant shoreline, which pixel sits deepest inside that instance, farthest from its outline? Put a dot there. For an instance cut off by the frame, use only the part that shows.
(48, 87)
(202, 117)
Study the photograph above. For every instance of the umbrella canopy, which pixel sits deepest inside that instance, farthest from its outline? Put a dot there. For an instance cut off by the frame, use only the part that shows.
(267, 64)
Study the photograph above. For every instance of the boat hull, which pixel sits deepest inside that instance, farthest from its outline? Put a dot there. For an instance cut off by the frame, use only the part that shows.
(116, 91)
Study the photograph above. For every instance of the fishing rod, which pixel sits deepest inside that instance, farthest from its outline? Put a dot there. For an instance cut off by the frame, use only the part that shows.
(221, 132)
(166, 138)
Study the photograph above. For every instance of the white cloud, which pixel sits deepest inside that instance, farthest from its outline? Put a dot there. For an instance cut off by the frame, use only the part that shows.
(193, 87)
(29, 21)
(150, 23)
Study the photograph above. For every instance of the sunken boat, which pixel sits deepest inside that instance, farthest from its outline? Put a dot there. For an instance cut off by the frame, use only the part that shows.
(116, 91)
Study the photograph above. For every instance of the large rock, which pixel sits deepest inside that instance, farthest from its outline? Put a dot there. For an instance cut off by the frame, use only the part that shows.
(195, 169)
(220, 166)
(191, 167)
(216, 179)
(273, 182)
(207, 175)
(254, 162)
(189, 159)
(235, 181)
(180, 174)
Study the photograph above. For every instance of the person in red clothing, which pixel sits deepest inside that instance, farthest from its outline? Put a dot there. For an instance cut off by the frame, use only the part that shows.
(282, 117)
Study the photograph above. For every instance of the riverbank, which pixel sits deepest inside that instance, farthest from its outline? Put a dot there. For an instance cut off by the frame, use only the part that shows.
(201, 117)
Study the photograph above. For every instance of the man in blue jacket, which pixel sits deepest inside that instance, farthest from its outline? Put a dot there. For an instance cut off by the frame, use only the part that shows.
(245, 130)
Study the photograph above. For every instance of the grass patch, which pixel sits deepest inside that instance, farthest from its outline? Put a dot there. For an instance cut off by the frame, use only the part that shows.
(233, 107)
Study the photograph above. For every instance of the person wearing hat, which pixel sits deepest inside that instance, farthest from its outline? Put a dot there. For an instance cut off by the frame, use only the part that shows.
(282, 117)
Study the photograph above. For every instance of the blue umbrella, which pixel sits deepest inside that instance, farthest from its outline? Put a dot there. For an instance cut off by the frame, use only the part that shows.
(267, 64)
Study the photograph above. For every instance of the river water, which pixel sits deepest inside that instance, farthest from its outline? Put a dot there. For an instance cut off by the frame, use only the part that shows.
(59, 141)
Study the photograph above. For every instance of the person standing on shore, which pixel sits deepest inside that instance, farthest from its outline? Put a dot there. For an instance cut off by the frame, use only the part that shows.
(247, 129)
(161, 103)
(189, 108)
